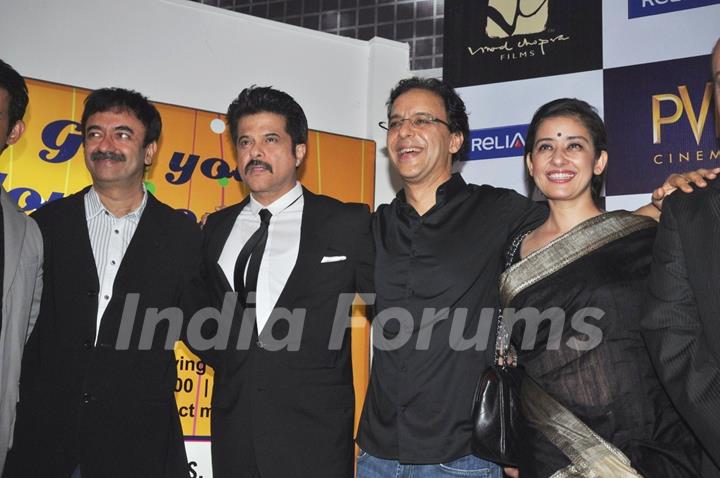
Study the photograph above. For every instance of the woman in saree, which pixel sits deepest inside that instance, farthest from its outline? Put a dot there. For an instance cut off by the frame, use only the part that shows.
(593, 404)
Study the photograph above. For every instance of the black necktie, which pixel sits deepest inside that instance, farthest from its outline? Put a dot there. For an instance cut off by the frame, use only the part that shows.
(253, 251)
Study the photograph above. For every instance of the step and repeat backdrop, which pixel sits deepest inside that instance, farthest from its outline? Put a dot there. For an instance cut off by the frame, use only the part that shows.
(194, 171)
(644, 64)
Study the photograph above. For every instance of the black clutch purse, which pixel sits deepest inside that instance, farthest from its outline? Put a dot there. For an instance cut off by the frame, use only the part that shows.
(497, 421)
(498, 427)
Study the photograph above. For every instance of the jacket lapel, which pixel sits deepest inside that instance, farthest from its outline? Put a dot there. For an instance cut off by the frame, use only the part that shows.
(714, 229)
(14, 234)
(220, 235)
(216, 243)
(312, 245)
(76, 243)
(78, 222)
(148, 238)
(715, 205)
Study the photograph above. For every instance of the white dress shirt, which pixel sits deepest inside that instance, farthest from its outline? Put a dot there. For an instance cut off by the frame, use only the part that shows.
(281, 249)
(109, 239)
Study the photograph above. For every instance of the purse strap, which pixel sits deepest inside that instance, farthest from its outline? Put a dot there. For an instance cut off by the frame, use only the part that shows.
(504, 351)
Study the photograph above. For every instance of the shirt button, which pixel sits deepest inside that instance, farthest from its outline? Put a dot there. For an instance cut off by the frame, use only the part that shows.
(259, 344)
(117, 231)
(112, 262)
(106, 297)
(403, 368)
(86, 398)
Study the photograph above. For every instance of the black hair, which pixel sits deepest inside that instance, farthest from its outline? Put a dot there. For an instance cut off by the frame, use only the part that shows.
(119, 99)
(457, 117)
(265, 99)
(588, 116)
(14, 84)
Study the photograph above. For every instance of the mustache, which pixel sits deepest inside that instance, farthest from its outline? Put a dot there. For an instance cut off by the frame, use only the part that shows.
(100, 155)
(257, 163)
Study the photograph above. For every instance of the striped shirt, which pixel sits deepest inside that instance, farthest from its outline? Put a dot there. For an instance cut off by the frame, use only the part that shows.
(110, 237)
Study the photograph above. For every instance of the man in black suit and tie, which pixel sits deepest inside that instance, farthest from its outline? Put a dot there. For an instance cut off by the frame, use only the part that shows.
(93, 401)
(682, 318)
(289, 412)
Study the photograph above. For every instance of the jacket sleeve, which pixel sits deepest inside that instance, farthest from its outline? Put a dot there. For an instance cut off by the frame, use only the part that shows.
(365, 253)
(675, 337)
(35, 242)
(205, 299)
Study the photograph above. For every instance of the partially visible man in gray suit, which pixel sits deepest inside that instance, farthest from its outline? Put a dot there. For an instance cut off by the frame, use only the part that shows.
(20, 263)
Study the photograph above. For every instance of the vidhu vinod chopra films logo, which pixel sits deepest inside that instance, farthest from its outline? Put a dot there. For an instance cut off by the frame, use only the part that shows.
(513, 21)
(489, 41)
(506, 19)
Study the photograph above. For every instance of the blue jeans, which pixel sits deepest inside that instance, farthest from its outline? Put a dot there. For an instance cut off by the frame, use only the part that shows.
(369, 466)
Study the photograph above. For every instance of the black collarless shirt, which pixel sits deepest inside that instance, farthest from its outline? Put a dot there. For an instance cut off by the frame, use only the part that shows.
(417, 408)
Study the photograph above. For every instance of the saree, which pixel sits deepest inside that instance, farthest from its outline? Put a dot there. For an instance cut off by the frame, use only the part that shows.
(574, 308)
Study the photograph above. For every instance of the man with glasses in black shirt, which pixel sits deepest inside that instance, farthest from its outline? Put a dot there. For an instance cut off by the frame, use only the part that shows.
(439, 247)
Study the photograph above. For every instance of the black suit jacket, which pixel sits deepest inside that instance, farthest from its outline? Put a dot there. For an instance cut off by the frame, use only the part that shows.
(284, 414)
(85, 402)
(682, 317)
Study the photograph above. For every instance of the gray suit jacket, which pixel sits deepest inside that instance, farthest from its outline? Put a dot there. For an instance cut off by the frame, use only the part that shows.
(22, 287)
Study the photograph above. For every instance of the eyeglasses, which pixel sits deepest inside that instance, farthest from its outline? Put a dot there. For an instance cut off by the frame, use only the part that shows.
(417, 122)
